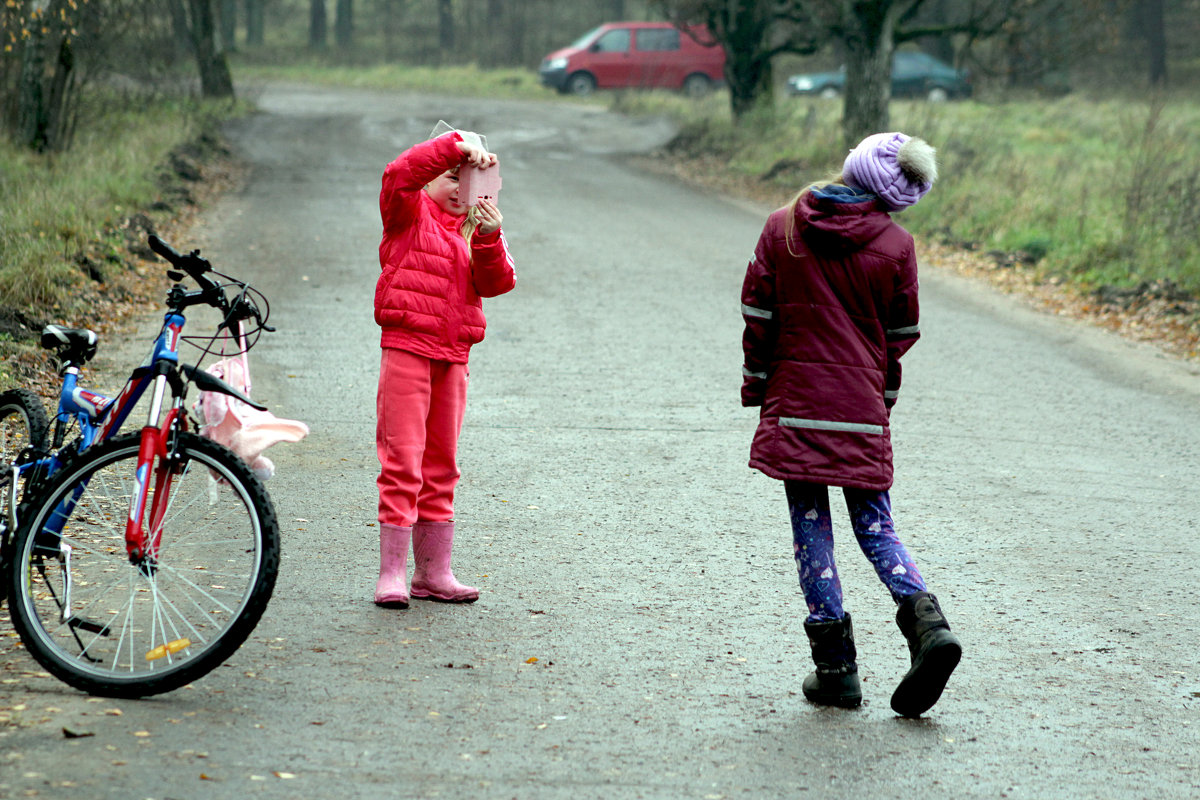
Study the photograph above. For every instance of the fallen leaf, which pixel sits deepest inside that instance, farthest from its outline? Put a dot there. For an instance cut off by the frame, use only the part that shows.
(74, 734)
(283, 775)
(531, 660)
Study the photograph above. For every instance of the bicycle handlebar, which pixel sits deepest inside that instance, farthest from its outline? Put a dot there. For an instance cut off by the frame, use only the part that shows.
(192, 263)
(211, 292)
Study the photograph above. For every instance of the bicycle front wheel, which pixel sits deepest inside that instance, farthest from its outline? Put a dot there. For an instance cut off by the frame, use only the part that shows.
(120, 627)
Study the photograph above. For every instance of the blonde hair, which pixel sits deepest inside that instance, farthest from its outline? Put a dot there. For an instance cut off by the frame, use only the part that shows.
(467, 229)
(789, 225)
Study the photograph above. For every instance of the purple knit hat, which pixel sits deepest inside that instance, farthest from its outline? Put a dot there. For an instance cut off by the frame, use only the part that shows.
(894, 166)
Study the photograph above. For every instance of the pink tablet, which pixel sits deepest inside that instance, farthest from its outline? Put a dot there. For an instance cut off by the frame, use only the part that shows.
(476, 184)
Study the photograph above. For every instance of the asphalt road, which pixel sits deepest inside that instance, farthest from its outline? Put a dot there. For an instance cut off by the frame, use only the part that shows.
(639, 632)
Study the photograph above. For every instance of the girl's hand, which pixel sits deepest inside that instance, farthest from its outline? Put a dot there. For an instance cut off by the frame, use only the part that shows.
(476, 156)
(487, 217)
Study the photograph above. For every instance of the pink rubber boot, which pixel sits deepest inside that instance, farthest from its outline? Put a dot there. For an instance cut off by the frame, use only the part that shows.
(432, 578)
(392, 589)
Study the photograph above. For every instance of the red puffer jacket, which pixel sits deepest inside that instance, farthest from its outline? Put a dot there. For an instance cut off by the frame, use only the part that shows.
(826, 325)
(427, 299)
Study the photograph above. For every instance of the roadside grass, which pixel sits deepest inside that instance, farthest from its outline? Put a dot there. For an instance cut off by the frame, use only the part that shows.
(457, 80)
(64, 217)
(1093, 192)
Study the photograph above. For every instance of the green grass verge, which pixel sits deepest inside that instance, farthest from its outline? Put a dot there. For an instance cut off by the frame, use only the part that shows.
(462, 80)
(58, 207)
(62, 214)
(1099, 192)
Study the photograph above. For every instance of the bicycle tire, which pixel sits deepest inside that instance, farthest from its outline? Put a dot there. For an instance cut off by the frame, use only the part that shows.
(23, 423)
(113, 628)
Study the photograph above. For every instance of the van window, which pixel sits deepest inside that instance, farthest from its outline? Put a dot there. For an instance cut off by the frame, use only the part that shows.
(615, 41)
(659, 39)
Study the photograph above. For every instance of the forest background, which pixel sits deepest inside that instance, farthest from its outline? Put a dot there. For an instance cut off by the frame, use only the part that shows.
(1075, 165)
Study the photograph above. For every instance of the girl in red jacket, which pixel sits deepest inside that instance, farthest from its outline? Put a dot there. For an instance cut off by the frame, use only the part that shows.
(438, 258)
(830, 305)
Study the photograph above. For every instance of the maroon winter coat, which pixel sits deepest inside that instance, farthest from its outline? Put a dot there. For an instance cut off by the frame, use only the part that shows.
(825, 330)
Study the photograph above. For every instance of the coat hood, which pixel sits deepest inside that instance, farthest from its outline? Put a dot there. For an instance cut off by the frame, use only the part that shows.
(840, 219)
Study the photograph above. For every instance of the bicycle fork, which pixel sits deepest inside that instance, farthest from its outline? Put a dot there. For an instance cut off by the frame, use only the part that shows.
(155, 461)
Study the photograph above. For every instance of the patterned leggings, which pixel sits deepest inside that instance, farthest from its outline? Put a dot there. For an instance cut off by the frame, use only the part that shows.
(812, 534)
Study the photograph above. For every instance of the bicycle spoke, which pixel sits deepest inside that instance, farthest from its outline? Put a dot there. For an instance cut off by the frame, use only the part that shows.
(156, 622)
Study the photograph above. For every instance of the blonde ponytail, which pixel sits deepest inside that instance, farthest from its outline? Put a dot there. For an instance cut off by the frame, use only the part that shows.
(789, 225)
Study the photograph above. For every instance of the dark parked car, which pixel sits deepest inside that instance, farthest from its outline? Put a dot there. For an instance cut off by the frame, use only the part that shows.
(914, 74)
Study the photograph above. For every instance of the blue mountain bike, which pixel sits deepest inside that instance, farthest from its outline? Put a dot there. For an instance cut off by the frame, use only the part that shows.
(135, 563)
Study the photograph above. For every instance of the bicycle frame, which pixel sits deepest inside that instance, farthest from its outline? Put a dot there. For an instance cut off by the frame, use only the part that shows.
(100, 418)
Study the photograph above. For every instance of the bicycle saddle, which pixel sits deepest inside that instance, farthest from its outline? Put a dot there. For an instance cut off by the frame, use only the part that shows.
(74, 345)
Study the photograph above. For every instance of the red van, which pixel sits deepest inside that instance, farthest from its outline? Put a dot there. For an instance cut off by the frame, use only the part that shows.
(626, 55)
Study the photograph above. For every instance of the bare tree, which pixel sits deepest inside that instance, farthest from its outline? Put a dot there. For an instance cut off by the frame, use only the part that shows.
(215, 78)
(752, 32)
(1152, 24)
(343, 26)
(45, 108)
(318, 25)
(254, 22)
(445, 10)
(228, 25)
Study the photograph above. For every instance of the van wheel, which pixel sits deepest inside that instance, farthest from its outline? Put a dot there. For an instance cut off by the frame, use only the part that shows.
(581, 84)
(937, 95)
(697, 85)
(830, 93)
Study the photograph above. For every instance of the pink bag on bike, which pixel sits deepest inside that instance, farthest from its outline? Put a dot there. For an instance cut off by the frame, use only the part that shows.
(245, 430)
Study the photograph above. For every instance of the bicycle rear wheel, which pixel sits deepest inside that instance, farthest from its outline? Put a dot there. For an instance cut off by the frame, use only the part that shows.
(115, 628)
(22, 423)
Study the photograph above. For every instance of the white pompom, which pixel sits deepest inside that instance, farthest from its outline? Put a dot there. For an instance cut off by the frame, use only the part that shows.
(918, 161)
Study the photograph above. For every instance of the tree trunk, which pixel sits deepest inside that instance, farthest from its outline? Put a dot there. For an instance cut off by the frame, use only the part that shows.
(744, 28)
(228, 23)
(1154, 29)
(60, 110)
(869, 47)
(181, 29)
(343, 32)
(516, 28)
(392, 11)
(318, 26)
(215, 79)
(445, 28)
(497, 49)
(254, 23)
(31, 102)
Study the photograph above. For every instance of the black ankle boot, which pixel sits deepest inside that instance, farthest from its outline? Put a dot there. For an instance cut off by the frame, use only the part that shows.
(934, 650)
(835, 681)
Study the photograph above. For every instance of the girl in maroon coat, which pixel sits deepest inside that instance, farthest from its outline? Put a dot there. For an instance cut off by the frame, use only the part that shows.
(437, 259)
(830, 304)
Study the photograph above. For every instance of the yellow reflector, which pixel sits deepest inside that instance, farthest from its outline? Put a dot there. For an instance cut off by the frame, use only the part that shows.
(170, 647)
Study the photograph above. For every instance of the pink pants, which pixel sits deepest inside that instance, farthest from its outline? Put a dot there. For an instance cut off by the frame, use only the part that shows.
(419, 410)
